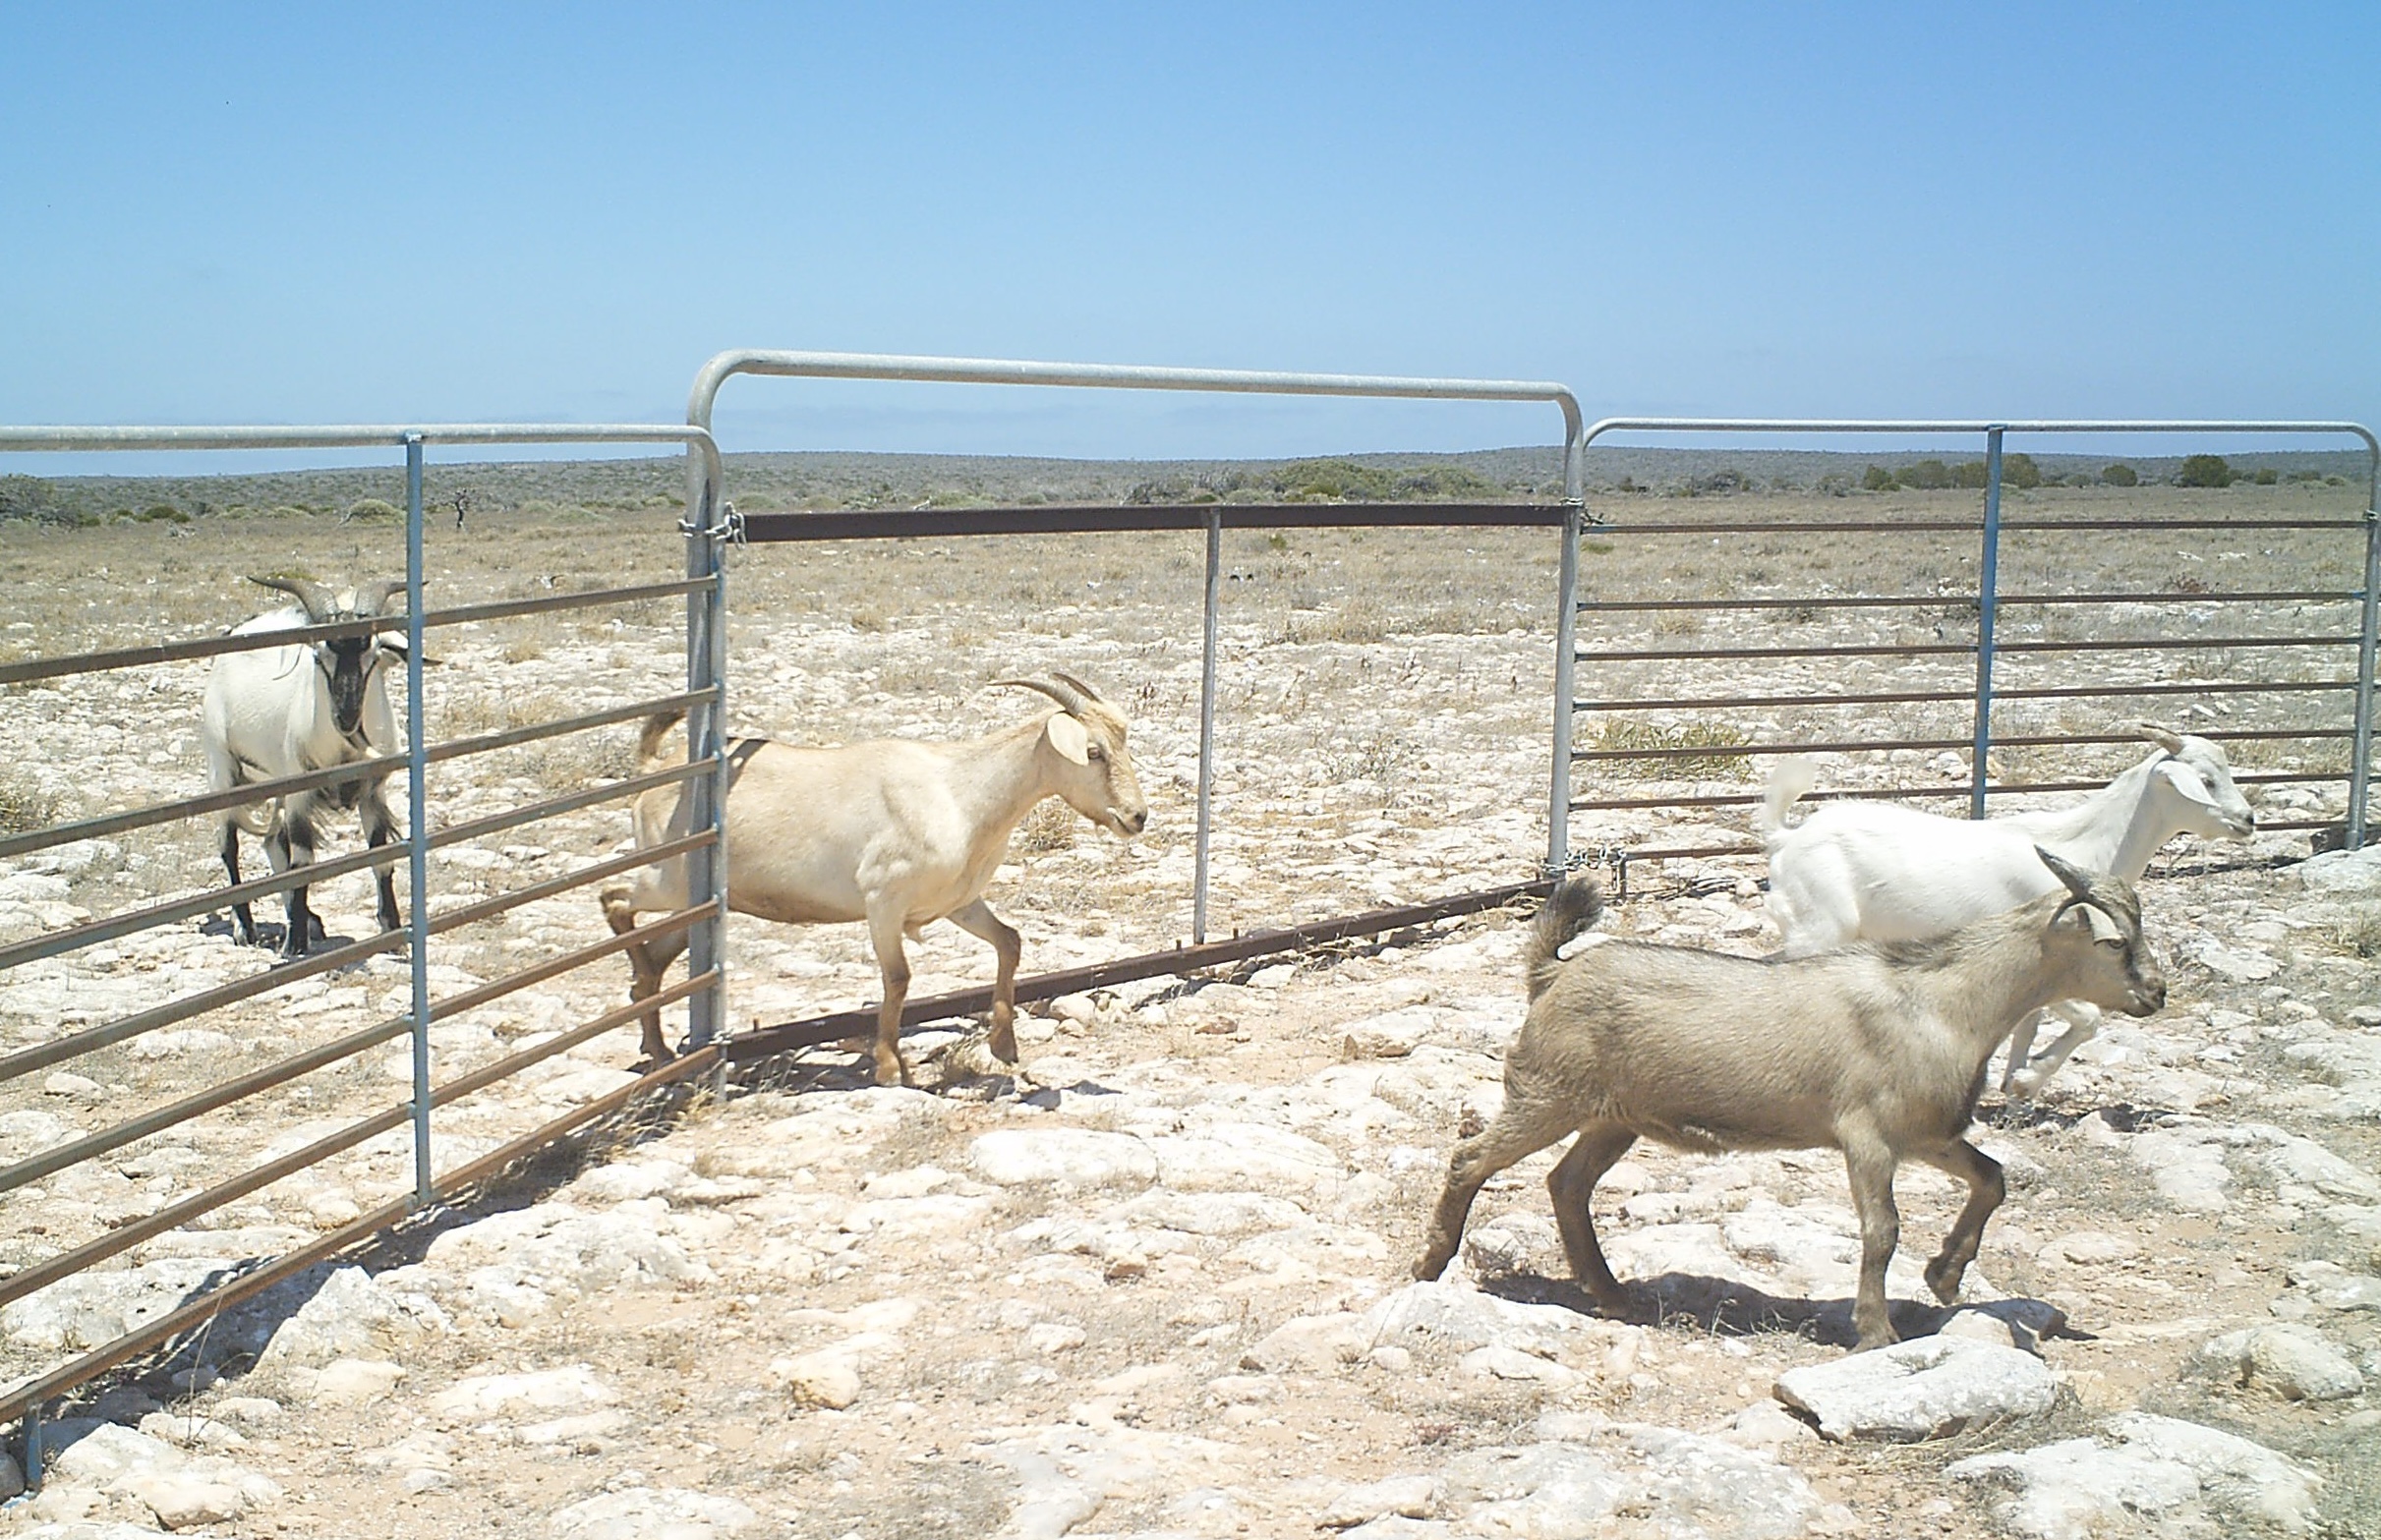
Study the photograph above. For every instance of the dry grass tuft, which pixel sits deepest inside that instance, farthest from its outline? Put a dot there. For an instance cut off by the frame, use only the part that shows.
(1632, 737)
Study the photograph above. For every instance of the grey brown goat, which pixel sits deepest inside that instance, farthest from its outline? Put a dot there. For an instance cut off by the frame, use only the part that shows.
(1878, 1050)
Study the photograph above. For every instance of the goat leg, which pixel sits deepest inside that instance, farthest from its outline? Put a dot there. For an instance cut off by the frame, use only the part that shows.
(645, 977)
(1986, 1190)
(1517, 1134)
(1572, 1183)
(1869, 1162)
(978, 920)
(885, 931)
(243, 919)
(380, 829)
(2025, 1076)
(292, 845)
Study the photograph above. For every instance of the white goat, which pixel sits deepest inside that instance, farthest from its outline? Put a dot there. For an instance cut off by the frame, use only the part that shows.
(1865, 870)
(285, 711)
(1878, 1050)
(895, 832)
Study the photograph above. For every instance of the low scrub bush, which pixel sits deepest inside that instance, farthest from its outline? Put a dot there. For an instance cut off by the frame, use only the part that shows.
(2205, 470)
(2119, 475)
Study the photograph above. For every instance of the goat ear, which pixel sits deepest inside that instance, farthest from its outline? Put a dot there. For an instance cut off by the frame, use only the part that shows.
(2075, 879)
(2187, 780)
(1066, 735)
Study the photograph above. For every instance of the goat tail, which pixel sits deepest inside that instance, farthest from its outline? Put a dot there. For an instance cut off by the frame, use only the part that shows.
(649, 742)
(1570, 909)
(1789, 780)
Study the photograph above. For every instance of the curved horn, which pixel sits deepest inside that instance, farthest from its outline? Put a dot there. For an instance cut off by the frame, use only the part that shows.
(370, 597)
(1065, 694)
(2163, 737)
(1069, 680)
(314, 596)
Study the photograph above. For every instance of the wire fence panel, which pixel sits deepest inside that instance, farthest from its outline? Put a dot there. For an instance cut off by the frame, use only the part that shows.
(1709, 648)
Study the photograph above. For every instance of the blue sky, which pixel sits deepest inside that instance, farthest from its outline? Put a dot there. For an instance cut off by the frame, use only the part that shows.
(330, 214)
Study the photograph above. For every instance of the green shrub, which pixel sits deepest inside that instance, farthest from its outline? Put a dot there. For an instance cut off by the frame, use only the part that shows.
(2119, 475)
(2020, 470)
(2205, 470)
(372, 510)
(1926, 475)
(1879, 479)
(162, 513)
(1968, 473)
(2266, 476)
(27, 497)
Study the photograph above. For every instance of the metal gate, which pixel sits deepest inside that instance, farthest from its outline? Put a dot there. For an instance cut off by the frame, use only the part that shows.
(1702, 686)
(702, 698)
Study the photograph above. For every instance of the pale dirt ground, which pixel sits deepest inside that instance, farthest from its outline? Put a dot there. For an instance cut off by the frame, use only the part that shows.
(1385, 715)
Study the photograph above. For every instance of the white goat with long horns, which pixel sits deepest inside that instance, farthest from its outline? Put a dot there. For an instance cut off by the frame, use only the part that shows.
(895, 832)
(287, 710)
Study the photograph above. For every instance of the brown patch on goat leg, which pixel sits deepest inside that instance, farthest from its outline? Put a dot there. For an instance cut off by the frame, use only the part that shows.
(1515, 1135)
(1869, 1161)
(1986, 1188)
(1571, 1185)
(645, 979)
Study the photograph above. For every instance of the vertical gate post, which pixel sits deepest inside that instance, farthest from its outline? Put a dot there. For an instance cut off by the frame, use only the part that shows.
(1988, 598)
(1206, 724)
(1566, 690)
(417, 822)
(2360, 768)
(705, 733)
(1566, 636)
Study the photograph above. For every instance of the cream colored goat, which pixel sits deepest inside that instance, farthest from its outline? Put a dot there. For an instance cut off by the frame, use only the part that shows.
(1878, 1050)
(895, 832)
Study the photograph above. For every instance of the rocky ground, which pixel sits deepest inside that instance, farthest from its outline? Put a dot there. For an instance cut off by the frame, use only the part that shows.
(1160, 1284)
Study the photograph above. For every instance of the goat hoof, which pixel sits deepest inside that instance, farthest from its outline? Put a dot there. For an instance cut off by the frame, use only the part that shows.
(1944, 1281)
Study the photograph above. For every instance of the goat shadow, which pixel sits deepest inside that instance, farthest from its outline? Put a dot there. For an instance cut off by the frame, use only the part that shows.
(1731, 1307)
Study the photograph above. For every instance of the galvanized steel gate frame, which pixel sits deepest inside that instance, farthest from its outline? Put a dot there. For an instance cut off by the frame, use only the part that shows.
(710, 525)
(1989, 598)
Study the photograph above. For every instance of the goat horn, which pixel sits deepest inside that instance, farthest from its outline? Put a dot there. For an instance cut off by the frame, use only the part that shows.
(2163, 737)
(2074, 878)
(1069, 679)
(317, 598)
(1065, 694)
(370, 597)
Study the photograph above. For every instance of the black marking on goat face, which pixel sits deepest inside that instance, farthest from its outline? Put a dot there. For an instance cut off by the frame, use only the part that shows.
(347, 663)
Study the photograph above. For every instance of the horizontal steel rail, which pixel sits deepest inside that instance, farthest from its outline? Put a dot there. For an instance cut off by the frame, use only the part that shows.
(762, 1042)
(1746, 799)
(1947, 648)
(41, 1274)
(34, 669)
(1908, 696)
(54, 942)
(1722, 751)
(30, 1396)
(222, 1093)
(59, 1050)
(1602, 531)
(290, 785)
(1132, 517)
(1957, 601)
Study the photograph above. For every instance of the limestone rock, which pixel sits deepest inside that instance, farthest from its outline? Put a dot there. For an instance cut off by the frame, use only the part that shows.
(544, 1390)
(2178, 1475)
(1927, 1389)
(1312, 1344)
(2294, 1362)
(648, 1513)
(1408, 1497)
(1085, 1157)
